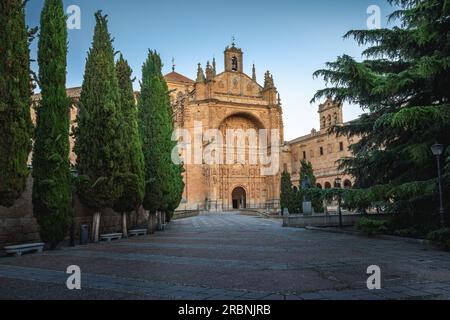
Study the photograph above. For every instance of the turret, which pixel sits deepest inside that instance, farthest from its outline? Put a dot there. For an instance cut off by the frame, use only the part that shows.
(214, 67)
(200, 75)
(209, 72)
(330, 113)
(269, 90)
(234, 59)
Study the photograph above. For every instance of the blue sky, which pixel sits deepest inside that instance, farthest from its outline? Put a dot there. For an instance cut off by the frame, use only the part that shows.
(291, 38)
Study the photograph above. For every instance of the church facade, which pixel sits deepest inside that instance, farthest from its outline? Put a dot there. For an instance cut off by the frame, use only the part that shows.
(229, 101)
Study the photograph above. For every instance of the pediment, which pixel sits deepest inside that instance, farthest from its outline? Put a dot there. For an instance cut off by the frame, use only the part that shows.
(236, 83)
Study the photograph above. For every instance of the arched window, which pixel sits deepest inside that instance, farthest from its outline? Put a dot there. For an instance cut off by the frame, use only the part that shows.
(295, 189)
(319, 186)
(329, 120)
(347, 184)
(327, 185)
(234, 64)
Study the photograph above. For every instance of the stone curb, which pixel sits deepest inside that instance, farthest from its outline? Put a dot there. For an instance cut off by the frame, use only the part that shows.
(266, 215)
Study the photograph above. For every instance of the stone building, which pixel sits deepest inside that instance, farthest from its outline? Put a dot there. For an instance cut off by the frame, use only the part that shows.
(321, 149)
(233, 100)
(226, 101)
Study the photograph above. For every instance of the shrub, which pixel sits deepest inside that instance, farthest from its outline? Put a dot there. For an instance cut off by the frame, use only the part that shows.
(440, 237)
(409, 233)
(372, 227)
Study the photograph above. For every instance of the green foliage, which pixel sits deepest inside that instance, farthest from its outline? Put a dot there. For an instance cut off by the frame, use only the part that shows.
(15, 100)
(98, 135)
(387, 196)
(441, 238)
(176, 173)
(163, 181)
(287, 197)
(52, 190)
(306, 170)
(372, 227)
(403, 88)
(131, 161)
(410, 232)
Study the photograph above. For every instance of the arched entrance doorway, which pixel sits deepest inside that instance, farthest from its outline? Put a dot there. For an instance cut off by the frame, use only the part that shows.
(239, 197)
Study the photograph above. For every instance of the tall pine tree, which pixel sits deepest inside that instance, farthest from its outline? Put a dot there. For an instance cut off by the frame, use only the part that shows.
(131, 180)
(15, 100)
(51, 169)
(98, 135)
(403, 86)
(156, 128)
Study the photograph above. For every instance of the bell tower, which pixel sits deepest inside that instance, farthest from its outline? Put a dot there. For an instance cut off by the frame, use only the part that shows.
(330, 114)
(234, 59)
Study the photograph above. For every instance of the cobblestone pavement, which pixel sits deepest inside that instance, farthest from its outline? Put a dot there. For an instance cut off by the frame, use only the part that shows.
(229, 257)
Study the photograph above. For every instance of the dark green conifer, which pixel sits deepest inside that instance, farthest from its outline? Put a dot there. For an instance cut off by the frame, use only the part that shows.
(403, 87)
(306, 170)
(98, 135)
(156, 130)
(15, 101)
(131, 181)
(51, 169)
(287, 200)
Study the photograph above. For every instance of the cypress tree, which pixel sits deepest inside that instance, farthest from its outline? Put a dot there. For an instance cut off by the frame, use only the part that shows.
(98, 135)
(131, 180)
(177, 169)
(403, 87)
(306, 170)
(287, 193)
(15, 101)
(176, 191)
(155, 125)
(51, 169)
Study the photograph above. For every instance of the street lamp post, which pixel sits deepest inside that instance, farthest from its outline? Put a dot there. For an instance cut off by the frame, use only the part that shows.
(338, 186)
(438, 150)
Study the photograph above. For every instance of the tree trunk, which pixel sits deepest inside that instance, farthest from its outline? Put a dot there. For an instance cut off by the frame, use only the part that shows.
(158, 220)
(96, 226)
(150, 223)
(164, 217)
(124, 225)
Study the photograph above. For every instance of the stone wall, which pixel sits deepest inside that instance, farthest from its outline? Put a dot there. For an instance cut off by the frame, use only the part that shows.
(18, 225)
(323, 220)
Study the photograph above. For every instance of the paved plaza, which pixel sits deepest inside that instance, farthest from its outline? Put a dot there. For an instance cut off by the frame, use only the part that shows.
(230, 256)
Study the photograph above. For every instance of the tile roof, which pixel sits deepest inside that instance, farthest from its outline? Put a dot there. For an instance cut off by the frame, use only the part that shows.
(71, 93)
(176, 77)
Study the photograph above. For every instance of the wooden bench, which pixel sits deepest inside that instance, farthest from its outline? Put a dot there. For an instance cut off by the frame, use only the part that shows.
(137, 232)
(110, 237)
(24, 248)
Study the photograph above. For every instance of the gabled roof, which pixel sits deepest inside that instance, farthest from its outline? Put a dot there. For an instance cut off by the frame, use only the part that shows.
(176, 77)
(71, 93)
